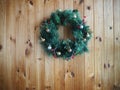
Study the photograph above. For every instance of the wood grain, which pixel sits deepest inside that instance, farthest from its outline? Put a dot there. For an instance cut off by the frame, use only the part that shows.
(79, 61)
(10, 45)
(99, 54)
(89, 57)
(3, 45)
(59, 73)
(108, 36)
(49, 61)
(25, 66)
(39, 53)
(116, 25)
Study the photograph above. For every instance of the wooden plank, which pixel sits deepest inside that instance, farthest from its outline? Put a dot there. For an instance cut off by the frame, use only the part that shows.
(99, 51)
(49, 61)
(117, 43)
(79, 66)
(108, 32)
(89, 57)
(21, 32)
(30, 58)
(11, 46)
(69, 65)
(2, 44)
(59, 67)
(39, 52)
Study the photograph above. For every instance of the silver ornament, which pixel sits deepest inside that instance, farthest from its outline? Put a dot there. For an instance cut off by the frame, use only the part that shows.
(60, 10)
(58, 53)
(84, 39)
(49, 47)
(70, 50)
(81, 26)
(88, 35)
(47, 30)
(75, 16)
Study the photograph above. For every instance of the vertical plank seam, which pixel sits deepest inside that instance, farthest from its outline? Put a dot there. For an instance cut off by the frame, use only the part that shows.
(103, 44)
(113, 43)
(102, 72)
(44, 52)
(94, 42)
(5, 38)
(84, 54)
(54, 58)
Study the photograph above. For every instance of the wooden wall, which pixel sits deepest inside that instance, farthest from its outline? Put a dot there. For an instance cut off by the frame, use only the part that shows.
(25, 66)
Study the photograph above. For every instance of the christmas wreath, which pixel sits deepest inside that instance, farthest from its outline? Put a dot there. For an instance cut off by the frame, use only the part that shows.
(57, 47)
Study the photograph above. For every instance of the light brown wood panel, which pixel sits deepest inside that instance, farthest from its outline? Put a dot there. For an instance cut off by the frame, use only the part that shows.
(116, 25)
(99, 31)
(20, 27)
(79, 60)
(49, 61)
(39, 53)
(24, 64)
(90, 57)
(108, 44)
(59, 76)
(2, 44)
(10, 45)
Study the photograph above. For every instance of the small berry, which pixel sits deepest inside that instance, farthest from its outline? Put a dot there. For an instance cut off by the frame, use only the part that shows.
(84, 16)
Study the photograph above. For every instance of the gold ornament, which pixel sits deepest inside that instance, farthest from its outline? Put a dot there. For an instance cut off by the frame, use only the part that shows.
(42, 39)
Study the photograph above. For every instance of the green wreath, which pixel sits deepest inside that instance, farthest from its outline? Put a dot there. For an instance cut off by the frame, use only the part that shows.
(66, 49)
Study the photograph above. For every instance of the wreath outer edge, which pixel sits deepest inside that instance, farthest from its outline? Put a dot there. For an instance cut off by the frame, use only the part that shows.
(66, 49)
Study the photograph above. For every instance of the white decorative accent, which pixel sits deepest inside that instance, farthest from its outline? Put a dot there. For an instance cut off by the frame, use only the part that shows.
(70, 50)
(42, 39)
(60, 10)
(81, 26)
(58, 53)
(47, 30)
(75, 16)
(84, 39)
(88, 35)
(49, 47)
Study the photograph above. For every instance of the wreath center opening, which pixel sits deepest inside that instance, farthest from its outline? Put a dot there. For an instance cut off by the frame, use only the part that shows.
(65, 32)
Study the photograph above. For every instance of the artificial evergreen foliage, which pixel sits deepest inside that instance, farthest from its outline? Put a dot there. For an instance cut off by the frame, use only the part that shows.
(66, 49)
